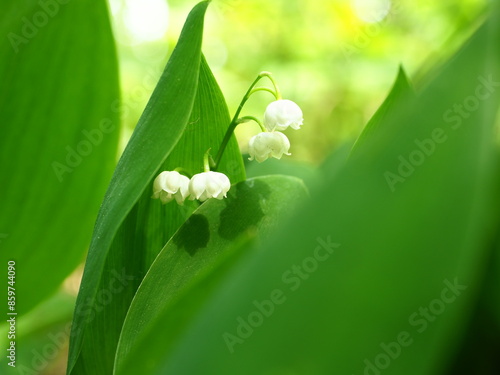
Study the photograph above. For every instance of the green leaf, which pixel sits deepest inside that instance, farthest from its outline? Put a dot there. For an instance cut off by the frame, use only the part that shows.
(479, 344)
(418, 244)
(157, 133)
(206, 128)
(401, 91)
(197, 250)
(150, 224)
(60, 126)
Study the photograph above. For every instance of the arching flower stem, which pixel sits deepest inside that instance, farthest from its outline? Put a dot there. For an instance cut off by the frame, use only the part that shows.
(235, 121)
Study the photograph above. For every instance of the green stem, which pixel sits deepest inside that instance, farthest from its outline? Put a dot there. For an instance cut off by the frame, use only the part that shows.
(243, 119)
(275, 94)
(276, 89)
(206, 161)
(235, 121)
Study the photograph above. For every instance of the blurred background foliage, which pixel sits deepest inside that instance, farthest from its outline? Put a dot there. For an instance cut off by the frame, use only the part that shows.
(337, 59)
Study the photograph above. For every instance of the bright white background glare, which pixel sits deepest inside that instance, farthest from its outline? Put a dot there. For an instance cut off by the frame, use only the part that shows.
(371, 10)
(140, 21)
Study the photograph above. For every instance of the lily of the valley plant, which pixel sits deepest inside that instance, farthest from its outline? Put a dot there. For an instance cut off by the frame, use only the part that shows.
(279, 115)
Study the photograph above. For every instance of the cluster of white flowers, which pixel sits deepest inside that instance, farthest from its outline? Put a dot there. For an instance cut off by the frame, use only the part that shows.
(280, 115)
(170, 185)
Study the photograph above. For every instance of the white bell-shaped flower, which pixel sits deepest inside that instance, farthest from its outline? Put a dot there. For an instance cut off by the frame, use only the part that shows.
(267, 144)
(209, 185)
(282, 114)
(170, 185)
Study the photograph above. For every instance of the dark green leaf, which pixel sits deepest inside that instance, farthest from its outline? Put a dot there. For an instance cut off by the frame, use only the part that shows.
(201, 244)
(59, 108)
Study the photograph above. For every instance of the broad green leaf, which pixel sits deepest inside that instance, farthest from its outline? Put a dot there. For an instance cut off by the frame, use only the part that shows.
(200, 245)
(206, 128)
(478, 353)
(344, 285)
(58, 105)
(401, 91)
(150, 224)
(157, 133)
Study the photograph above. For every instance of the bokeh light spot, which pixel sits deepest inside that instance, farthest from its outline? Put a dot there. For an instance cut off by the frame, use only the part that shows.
(371, 11)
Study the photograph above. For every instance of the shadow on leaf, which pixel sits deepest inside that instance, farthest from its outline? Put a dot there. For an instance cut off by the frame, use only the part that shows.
(243, 208)
(193, 235)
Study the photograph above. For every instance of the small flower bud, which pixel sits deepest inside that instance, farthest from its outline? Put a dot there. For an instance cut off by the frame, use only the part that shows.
(209, 185)
(282, 114)
(169, 185)
(264, 145)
